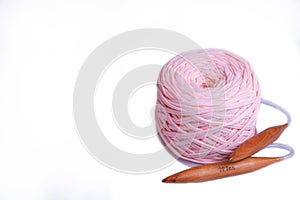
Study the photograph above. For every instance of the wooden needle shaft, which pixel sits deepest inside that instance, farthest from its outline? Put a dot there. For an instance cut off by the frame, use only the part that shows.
(220, 170)
(257, 142)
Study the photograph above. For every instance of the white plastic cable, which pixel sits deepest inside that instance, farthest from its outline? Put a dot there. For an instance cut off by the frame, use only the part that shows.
(289, 119)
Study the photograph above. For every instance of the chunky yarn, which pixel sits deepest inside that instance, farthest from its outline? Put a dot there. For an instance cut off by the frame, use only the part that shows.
(207, 104)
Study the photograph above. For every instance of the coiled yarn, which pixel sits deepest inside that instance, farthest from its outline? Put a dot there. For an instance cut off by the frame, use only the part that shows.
(207, 104)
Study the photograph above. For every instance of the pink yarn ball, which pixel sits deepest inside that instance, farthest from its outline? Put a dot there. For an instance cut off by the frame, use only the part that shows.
(207, 104)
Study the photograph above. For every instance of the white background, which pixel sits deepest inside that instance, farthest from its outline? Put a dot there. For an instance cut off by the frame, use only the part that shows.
(42, 47)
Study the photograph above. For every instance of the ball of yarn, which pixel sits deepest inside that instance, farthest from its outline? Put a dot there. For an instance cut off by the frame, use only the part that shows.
(207, 104)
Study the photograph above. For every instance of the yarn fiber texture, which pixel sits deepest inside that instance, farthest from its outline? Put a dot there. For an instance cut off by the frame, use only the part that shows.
(207, 104)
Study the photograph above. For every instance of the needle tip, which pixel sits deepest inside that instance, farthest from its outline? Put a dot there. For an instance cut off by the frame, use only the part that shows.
(231, 159)
(169, 179)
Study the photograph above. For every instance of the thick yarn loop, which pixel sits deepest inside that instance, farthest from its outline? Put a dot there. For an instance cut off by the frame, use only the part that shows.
(207, 104)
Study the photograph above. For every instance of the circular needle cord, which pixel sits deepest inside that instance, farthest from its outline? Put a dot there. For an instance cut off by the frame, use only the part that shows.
(289, 119)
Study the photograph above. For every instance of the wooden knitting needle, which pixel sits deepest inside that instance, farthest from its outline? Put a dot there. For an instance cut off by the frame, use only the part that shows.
(221, 170)
(257, 142)
(239, 162)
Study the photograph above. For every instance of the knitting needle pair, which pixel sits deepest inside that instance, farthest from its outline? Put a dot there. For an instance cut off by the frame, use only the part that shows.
(239, 162)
